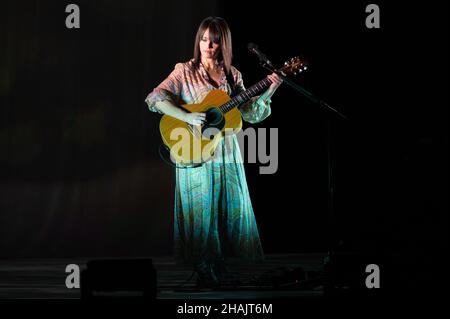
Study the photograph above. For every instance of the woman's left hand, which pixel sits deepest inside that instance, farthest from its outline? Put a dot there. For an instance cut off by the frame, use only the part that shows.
(276, 82)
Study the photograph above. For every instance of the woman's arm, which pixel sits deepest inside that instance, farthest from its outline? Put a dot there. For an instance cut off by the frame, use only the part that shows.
(276, 82)
(164, 98)
(258, 108)
(169, 108)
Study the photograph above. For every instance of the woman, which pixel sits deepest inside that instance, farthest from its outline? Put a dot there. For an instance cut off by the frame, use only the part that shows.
(214, 218)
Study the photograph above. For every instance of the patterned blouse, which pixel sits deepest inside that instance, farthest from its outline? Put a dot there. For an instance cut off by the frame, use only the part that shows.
(189, 85)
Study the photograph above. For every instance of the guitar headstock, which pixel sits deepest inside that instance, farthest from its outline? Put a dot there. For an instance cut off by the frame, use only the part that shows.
(294, 66)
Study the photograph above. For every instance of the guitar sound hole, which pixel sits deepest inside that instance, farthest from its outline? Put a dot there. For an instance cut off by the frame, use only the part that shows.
(214, 119)
(213, 116)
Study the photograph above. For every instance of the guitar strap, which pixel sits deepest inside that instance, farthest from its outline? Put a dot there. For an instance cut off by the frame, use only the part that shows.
(230, 81)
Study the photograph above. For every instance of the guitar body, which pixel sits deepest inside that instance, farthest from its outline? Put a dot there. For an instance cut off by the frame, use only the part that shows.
(190, 144)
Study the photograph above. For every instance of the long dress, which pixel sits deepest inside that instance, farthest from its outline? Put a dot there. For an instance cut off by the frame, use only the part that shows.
(213, 213)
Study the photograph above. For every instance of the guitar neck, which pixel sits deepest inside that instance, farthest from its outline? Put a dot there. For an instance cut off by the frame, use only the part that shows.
(246, 95)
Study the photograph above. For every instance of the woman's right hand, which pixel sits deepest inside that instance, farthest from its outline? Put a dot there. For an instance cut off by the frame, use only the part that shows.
(195, 118)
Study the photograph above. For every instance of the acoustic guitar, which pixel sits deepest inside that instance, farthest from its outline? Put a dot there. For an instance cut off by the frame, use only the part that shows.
(195, 144)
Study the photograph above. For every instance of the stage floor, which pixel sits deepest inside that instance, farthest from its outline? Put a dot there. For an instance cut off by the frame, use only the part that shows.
(45, 279)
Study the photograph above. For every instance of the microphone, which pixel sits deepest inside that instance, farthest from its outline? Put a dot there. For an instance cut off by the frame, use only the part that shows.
(262, 57)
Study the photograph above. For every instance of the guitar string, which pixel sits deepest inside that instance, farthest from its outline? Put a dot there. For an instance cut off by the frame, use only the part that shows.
(245, 96)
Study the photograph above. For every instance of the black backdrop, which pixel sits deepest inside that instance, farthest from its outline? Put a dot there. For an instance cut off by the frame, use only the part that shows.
(79, 168)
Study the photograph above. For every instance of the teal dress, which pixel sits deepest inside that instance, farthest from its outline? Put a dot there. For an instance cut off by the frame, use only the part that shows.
(213, 214)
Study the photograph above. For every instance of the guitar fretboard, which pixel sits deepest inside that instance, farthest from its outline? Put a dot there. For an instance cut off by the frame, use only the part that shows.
(246, 95)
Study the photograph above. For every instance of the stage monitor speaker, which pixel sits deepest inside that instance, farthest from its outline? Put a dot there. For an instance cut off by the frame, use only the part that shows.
(119, 278)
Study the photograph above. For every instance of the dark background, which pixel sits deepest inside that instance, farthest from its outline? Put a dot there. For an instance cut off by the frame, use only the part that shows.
(80, 173)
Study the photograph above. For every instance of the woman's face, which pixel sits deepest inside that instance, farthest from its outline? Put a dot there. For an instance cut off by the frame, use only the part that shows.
(208, 48)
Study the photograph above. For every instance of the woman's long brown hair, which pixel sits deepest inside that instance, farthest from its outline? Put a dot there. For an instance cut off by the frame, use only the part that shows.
(220, 33)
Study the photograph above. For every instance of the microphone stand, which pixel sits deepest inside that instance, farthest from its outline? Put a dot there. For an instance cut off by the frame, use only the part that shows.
(265, 63)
